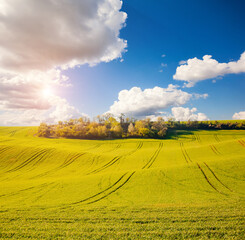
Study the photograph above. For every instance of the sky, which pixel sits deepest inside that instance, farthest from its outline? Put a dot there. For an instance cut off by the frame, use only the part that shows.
(176, 59)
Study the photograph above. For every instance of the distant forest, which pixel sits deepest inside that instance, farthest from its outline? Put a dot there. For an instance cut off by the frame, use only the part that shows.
(108, 127)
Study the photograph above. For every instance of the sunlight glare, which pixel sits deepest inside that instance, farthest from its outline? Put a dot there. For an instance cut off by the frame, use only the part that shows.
(47, 92)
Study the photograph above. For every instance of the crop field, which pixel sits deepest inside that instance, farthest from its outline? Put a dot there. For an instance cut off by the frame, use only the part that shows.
(188, 186)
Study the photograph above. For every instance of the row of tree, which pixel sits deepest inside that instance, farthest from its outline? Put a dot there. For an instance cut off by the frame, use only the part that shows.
(104, 127)
(205, 125)
(108, 127)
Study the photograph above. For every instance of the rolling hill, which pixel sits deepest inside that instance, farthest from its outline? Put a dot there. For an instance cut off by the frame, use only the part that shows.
(190, 185)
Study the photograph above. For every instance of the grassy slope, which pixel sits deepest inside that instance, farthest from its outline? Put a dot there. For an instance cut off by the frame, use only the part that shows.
(191, 186)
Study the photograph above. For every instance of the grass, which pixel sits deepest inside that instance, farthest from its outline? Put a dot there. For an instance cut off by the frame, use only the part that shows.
(190, 186)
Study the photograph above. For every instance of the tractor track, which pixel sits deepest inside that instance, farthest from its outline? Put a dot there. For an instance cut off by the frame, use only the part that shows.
(115, 160)
(29, 160)
(12, 133)
(110, 163)
(214, 149)
(94, 147)
(198, 138)
(105, 190)
(208, 181)
(113, 191)
(216, 138)
(44, 156)
(69, 160)
(216, 177)
(139, 146)
(19, 155)
(2, 150)
(26, 189)
(114, 149)
(154, 156)
(47, 191)
(184, 152)
(241, 142)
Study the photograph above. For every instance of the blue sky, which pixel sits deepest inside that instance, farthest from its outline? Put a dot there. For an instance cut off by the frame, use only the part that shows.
(180, 30)
(159, 35)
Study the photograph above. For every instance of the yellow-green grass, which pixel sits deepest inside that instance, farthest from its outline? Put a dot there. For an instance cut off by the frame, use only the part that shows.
(190, 185)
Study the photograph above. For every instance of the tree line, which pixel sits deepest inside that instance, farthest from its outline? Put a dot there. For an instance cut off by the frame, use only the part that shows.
(108, 127)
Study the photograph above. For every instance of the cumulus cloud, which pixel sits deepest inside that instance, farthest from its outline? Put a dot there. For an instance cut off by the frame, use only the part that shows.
(182, 62)
(19, 91)
(138, 102)
(181, 114)
(195, 70)
(239, 116)
(59, 110)
(30, 99)
(63, 111)
(41, 35)
(30, 117)
(185, 114)
(41, 38)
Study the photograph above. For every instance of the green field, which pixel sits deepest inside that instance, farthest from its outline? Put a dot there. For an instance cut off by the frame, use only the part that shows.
(191, 185)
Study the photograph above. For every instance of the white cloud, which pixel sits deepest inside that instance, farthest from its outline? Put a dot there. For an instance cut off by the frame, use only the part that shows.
(63, 111)
(181, 114)
(19, 91)
(135, 102)
(22, 117)
(38, 38)
(30, 99)
(60, 110)
(239, 115)
(182, 62)
(196, 70)
(185, 114)
(40, 35)
(163, 55)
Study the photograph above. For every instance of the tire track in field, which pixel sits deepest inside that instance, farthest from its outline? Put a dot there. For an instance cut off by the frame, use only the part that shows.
(214, 149)
(94, 147)
(2, 150)
(19, 156)
(71, 160)
(188, 159)
(114, 149)
(26, 189)
(113, 191)
(44, 156)
(241, 142)
(110, 163)
(117, 184)
(115, 160)
(10, 164)
(12, 133)
(50, 188)
(68, 161)
(216, 138)
(216, 176)
(6, 140)
(154, 156)
(108, 191)
(29, 160)
(198, 138)
(139, 146)
(184, 152)
(207, 180)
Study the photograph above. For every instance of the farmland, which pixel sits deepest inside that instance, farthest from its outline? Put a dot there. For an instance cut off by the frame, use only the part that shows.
(190, 185)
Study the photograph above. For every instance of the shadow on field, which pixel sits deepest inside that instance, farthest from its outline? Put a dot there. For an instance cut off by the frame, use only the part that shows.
(176, 134)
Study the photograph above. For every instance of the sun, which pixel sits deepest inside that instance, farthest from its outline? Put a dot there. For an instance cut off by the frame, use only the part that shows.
(47, 92)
